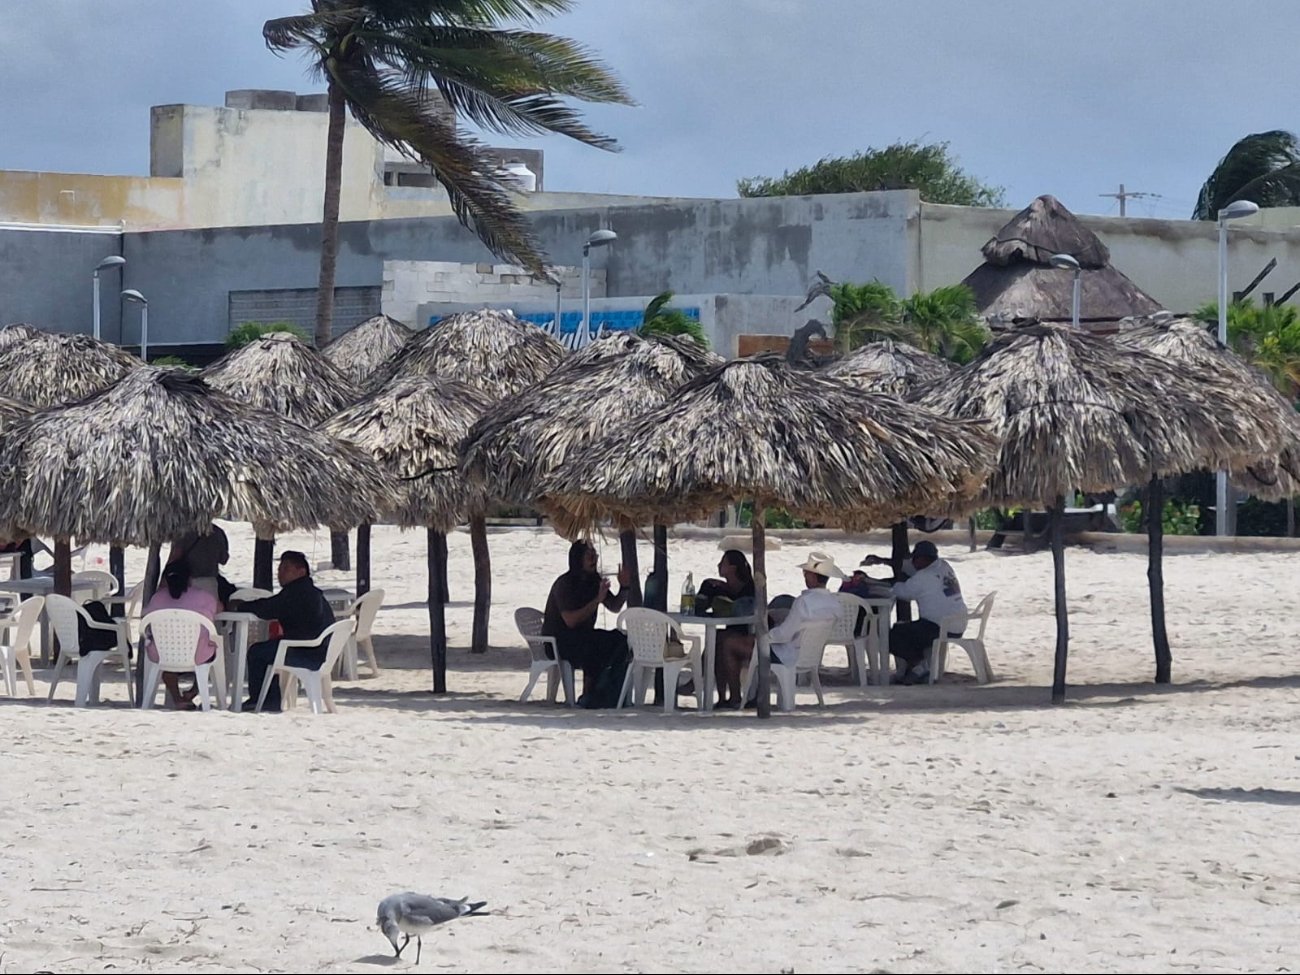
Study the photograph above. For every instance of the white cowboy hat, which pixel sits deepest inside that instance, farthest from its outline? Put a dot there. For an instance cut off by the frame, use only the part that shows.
(823, 565)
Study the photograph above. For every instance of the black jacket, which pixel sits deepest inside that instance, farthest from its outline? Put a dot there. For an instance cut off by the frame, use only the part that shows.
(300, 607)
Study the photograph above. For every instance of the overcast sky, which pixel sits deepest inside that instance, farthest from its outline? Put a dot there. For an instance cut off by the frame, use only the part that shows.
(1037, 97)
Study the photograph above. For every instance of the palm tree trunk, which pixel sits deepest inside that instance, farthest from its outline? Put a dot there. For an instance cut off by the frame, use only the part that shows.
(1155, 507)
(899, 553)
(339, 551)
(631, 562)
(329, 224)
(437, 611)
(363, 559)
(263, 556)
(1057, 517)
(763, 684)
(482, 582)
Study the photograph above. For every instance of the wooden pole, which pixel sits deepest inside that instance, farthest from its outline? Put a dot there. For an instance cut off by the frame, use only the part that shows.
(764, 682)
(661, 567)
(363, 559)
(1155, 507)
(437, 543)
(442, 556)
(117, 566)
(482, 583)
(631, 563)
(1056, 518)
(152, 570)
(263, 563)
(900, 551)
(339, 551)
(971, 526)
(63, 566)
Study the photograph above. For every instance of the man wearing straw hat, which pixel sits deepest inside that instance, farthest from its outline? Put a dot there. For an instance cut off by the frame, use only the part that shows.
(816, 602)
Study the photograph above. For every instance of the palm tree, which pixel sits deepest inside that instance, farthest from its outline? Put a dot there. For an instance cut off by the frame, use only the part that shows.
(943, 321)
(659, 319)
(1263, 168)
(383, 59)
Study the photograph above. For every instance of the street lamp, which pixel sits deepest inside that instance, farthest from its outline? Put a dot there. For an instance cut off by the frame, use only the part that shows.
(598, 238)
(110, 261)
(132, 295)
(1233, 211)
(1066, 262)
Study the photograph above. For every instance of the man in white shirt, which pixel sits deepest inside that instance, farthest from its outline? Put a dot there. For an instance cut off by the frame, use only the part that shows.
(816, 602)
(932, 584)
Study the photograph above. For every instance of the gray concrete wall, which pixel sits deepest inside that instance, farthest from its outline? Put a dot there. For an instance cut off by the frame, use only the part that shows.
(46, 275)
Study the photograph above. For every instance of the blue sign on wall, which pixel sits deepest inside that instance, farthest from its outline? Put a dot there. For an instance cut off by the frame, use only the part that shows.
(610, 321)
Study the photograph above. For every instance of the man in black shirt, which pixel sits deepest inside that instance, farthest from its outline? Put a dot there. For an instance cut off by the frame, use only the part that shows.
(303, 614)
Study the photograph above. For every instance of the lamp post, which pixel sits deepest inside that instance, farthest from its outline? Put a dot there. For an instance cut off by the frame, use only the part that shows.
(111, 261)
(132, 295)
(1067, 262)
(599, 238)
(1233, 211)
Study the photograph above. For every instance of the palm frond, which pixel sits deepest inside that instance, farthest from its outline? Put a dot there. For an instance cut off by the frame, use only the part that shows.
(1250, 158)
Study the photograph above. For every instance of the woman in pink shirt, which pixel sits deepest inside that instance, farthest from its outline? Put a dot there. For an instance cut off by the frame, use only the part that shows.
(177, 593)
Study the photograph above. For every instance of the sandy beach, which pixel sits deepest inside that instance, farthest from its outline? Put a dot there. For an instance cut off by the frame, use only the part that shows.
(954, 827)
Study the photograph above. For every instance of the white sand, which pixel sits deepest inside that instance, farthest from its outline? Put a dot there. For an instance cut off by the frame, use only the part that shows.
(948, 828)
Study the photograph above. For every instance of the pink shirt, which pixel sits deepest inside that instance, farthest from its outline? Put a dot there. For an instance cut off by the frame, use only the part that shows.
(197, 601)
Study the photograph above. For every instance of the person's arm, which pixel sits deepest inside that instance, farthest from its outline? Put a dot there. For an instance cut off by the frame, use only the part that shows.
(788, 629)
(269, 608)
(614, 601)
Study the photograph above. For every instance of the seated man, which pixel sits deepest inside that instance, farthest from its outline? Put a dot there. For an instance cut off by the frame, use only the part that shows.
(932, 585)
(303, 614)
(816, 602)
(572, 606)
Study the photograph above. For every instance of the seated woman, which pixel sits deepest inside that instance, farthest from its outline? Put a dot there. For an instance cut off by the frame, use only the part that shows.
(570, 615)
(737, 582)
(178, 592)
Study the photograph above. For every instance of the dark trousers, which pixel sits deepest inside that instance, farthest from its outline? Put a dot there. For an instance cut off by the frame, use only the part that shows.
(590, 651)
(262, 655)
(911, 642)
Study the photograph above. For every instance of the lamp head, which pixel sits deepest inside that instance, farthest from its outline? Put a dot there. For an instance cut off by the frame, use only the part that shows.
(111, 261)
(130, 294)
(599, 238)
(1065, 262)
(1238, 209)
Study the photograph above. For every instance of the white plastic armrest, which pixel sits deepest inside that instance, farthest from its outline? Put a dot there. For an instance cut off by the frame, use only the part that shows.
(694, 641)
(286, 645)
(544, 642)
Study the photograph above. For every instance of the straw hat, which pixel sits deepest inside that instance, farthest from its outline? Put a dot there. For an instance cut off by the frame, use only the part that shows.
(823, 565)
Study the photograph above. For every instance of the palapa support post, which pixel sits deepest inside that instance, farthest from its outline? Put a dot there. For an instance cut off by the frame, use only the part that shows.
(152, 570)
(660, 570)
(437, 543)
(899, 553)
(1056, 518)
(63, 566)
(631, 563)
(363, 559)
(971, 526)
(339, 551)
(482, 582)
(1155, 507)
(443, 591)
(763, 685)
(263, 562)
(117, 566)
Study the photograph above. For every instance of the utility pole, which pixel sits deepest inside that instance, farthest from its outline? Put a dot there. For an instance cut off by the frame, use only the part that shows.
(1124, 195)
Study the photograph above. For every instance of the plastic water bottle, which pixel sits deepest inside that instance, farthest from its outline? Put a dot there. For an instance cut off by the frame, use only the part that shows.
(688, 595)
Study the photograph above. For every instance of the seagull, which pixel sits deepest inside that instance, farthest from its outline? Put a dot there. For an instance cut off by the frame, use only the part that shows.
(410, 913)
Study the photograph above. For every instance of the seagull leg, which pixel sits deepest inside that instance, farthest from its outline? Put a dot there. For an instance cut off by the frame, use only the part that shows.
(406, 941)
(418, 945)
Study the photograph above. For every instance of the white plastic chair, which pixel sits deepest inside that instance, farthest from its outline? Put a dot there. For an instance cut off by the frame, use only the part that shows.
(813, 638)
(320, 689)
(546, 659)
(363, 610)
(973, 645)
(15, 651)
(861, 649)
(101, 584)
(647, 632)
(63, 614)
(175, 634)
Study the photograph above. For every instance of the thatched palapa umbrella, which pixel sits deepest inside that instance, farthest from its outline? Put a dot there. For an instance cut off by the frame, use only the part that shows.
(16, 333)
(497, 353)
(889, 367)
(1184, 340)
(759, 429)
(281, 374)
(611, 382)
(413, 428)
(361, 350)
(1077, 411)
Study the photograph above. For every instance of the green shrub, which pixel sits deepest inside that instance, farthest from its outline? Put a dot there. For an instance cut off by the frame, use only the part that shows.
(242, 335)
(1179, 518)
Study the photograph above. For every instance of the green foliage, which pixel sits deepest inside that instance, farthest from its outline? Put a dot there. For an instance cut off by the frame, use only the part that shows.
(772, 517)
(662, 320)
(1268, 336)
(242, 335)
(1263, 168)
(1261, 518)
(931, 169)
(173, 360)
(942, 321)
(1180, 518)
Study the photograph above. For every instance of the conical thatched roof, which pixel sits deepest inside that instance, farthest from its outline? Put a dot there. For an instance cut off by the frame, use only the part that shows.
(1188, 341)
(16, 333)
(282, 374)
(490, 350)
(161, 454)
(413, 427)
(362, 349)
(888, 367)
(50, 368)
(761, 429)
(1081, 411)
(1017, 281)
(521, 440)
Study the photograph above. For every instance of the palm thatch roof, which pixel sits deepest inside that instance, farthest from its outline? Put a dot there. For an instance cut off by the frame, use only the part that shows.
(1078, 411)
(521, 440)
(362, 349)
(888, 367)
(17, 332)
(161, 454)
(490, 350)
(413, 428)
(282, 374)
(761, 429)
(1017, 282)
(1188, 341)
(49, 368)
(12, 409)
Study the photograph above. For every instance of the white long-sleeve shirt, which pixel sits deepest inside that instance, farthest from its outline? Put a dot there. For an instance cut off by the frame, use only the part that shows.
(809, 605)
(936, 591)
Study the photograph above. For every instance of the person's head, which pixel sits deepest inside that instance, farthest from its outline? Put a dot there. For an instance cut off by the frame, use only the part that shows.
(293, 566)
(734, 568)
(582, 557)
(819, 569)
(923, 554)
(176, 577)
